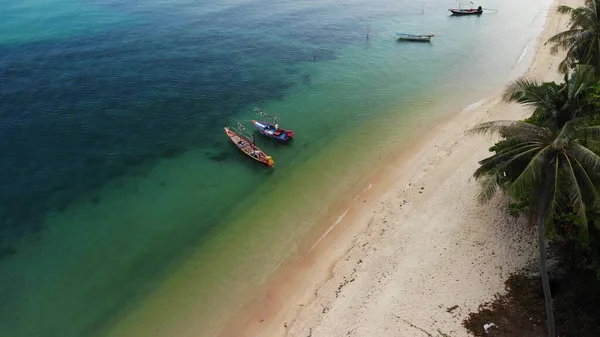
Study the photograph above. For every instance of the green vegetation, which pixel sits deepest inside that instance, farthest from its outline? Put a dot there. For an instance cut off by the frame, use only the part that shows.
(549, 163)
(580, 40)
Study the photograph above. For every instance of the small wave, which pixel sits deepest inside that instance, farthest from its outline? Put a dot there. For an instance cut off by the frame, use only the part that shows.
(474, 105)
(368, 188)
(341, 217)
(337, 221)
(523, 53)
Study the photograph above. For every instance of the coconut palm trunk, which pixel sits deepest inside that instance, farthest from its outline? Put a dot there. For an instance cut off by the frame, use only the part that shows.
(541, 220)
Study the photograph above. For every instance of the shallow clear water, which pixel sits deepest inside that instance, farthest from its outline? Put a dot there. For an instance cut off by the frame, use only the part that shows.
(119, 192)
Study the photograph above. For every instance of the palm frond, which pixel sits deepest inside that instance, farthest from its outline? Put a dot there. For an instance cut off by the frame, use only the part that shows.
(519, 130)
(524, 90)
(564, 66)
(564, 136)
(593, 145)
(582, 17)
(510, 152)
(489, 187)
(532, 173)
(574, 194)
(588, 159)
(589, 185)
(582, 80)
(497, 165)
(563, 9)
(583, 36)
(563, 40)
(591, 131)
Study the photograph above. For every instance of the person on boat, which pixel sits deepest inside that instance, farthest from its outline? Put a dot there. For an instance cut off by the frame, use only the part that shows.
(479, 9)
(269, 129)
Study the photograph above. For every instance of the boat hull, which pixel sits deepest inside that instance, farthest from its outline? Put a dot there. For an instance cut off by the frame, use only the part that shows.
(462, 12)
(414, 38)
(249, 149)
(269, 130)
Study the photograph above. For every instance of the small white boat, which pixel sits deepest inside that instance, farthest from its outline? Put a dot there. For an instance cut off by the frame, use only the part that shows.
(412, 37)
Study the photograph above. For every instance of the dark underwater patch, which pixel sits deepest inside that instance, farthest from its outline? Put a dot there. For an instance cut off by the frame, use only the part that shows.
(6, 252)
(221, 156)
(306, 79)
(81, 112)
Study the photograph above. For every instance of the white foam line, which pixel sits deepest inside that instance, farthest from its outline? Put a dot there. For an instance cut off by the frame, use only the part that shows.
(474, 105)
(368, 188)
(329, 230)
(523, 53)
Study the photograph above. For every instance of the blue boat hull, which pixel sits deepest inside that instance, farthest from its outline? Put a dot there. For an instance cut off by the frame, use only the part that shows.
(269, 130)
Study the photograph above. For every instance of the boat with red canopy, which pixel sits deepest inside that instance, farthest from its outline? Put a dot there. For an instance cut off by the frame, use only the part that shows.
(272, 129)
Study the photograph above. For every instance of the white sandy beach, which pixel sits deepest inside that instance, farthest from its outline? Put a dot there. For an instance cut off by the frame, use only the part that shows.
(414, 245)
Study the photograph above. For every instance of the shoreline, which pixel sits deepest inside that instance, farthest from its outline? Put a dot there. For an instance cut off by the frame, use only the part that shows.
(371, 267)
(184, 243)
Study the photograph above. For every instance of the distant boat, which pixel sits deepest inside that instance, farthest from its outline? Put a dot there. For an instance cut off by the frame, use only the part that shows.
(417, 38)
(249, 148)
(471, 11)
(273, 131)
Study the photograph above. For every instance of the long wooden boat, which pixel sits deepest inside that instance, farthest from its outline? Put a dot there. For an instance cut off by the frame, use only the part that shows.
(273, 131)
(249, 148)
(471, 11)
(416, 38)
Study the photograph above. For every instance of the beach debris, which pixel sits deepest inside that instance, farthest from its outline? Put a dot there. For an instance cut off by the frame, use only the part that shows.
(487, 327)
(452, 308)
(413, 326)
(441, 334)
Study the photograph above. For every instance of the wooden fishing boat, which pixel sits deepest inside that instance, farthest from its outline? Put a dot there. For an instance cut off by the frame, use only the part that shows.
(273, 131)
(416, 38)
(471, 11)
(249, 148)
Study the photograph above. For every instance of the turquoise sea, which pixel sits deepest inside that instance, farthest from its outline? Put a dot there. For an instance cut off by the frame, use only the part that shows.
(124, 208)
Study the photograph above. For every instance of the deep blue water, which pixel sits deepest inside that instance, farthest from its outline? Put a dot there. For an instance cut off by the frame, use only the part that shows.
(79, 110)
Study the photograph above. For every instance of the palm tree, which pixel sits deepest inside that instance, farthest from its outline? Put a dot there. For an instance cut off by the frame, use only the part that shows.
(556, 104)
(581, 39)
(557, 167)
